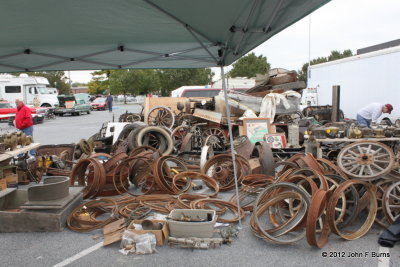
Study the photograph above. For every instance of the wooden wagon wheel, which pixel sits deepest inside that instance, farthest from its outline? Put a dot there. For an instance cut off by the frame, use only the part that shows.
(366, 160)
(391, 202)
(213, 136)
(161, 116)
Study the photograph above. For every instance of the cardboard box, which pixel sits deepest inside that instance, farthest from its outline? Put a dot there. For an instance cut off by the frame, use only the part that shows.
(11, 178)
(161, 235)
(3, 184)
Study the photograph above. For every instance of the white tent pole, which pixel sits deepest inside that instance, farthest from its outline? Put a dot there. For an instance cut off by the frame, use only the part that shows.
(228, 116)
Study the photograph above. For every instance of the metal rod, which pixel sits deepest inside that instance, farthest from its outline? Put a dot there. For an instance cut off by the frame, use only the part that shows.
(11, 55)
(97, 53)
(143, 52)
(228, 115)
(48, 64)
(97, 63)
(139, 61)
(246, 26)
(48, 55)
(201, 43)
(13, 67)
(271, 18)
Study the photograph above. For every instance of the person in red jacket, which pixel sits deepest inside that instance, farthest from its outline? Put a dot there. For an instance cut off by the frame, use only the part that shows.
(23, 118)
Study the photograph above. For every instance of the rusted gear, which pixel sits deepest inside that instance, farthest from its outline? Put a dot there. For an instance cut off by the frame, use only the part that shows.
(161, 116)
(366, 160)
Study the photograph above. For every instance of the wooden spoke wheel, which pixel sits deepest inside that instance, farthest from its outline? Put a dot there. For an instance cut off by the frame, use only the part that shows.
(161, 116)
(366, 160)
(214, 137)
(391, 202)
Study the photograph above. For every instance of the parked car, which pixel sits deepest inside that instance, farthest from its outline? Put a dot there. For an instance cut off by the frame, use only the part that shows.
(8, 111)
(70, 104)
(99, 104)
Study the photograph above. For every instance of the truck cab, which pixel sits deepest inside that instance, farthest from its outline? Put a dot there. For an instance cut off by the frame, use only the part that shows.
(32, 90)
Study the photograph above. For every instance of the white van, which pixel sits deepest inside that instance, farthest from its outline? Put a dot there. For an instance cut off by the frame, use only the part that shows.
(31, 89)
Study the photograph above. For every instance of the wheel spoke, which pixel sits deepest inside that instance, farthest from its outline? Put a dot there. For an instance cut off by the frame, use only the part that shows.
(376, 151)
(353, 153)
(370, 170)
(377, 167)
(349, 163)
(361, 170)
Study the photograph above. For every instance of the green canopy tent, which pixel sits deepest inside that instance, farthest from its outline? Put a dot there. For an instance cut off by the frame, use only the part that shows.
(44, 35)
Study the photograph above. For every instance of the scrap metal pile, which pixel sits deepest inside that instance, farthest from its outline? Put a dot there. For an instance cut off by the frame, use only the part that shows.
(179, 158)
(303, 197)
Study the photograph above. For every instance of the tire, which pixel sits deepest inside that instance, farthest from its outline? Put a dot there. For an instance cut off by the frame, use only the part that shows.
(88, 112)
(161, 133)
(127, 129)
(132, 144)
(78, 113)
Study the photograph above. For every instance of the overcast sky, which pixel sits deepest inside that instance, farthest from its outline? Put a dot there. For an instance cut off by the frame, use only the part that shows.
(339, 25)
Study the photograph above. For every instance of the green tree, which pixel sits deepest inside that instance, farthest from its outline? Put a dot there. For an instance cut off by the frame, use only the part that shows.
(122, 82)
(57, 79)
(250, 65)
(170, 79)
(333, 56)
(99, 83)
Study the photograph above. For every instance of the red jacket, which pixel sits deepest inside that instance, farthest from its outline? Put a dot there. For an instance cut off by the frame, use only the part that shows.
(23, 118)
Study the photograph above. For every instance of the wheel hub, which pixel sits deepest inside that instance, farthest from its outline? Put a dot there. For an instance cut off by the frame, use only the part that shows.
(365, 159)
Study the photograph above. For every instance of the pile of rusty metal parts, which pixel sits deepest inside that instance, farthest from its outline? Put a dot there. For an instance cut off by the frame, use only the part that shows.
(176, 155)
(288, 200)
(10, 141)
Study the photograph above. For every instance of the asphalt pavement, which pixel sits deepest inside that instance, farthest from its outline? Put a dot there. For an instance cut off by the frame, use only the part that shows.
(82, 249)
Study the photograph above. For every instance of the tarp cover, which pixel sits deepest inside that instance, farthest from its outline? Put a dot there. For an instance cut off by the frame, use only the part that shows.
(39, 35)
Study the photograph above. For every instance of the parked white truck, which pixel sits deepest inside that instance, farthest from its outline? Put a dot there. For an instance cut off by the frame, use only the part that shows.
(31, 89)
(363, 79)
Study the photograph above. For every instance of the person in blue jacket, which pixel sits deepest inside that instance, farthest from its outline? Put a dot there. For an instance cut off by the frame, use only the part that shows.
(109, 101)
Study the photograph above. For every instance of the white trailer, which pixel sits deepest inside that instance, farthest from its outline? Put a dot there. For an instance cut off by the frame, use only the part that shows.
(363, 79)
(31, 89)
